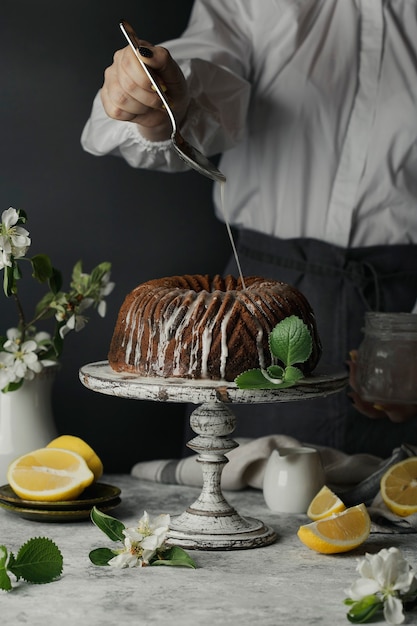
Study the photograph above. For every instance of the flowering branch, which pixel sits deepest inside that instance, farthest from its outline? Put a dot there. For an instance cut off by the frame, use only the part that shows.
(24, 351)
(387, 581)
(142, 545)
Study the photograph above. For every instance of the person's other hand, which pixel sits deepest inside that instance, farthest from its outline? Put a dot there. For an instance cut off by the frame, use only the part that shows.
(128, 95)
(395, 412)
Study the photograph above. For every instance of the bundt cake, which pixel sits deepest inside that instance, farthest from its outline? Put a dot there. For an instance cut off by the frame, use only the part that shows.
(202, 327)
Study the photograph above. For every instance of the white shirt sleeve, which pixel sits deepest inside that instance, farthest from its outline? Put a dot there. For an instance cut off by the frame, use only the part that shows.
(219, 91)
(103, 135)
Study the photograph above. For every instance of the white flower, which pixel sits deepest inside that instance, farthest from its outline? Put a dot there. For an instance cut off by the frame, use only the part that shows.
(142, 542)
(76, 321)
(389, 576)
(7, 373)
(154, 529)
(26, 362)
(106, 288)
(14, 240)
(41, 339)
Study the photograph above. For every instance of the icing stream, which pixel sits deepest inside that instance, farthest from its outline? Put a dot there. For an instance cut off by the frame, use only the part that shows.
(229, 231)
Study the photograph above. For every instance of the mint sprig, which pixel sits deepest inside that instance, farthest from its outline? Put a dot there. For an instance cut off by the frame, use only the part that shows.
(290, 343)
(38, 561)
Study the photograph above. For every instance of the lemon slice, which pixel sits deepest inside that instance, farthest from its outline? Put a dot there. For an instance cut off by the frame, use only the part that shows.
(340, 532)
(399, 487)
(78, 445)
(325, 503)
(49, 475)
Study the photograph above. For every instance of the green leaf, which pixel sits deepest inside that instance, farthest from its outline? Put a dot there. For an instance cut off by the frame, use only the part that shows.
(275, 371)
(254, 379)
(292, 374)
(13, 386)
(110, 526)
(290, 341)
(22, 216)
(363, 610)
(101, 556)
(5, 582)
(77, 271)
(39, 560)
(55, 281)
(43, 309)
(251, 379)
(42, 267)
(8, 281)
(100, 271)
(175, 556)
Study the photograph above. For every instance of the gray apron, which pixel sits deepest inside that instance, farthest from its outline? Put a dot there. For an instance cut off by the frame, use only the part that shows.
(341, 285)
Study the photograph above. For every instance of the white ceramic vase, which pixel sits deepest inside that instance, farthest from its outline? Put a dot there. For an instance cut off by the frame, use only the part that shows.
(26, 418)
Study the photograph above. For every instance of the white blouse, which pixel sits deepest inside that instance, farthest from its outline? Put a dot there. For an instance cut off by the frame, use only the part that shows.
(313, 104)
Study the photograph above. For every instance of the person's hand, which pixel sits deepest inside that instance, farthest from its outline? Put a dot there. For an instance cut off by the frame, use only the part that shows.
(395, 412)
(128, 95)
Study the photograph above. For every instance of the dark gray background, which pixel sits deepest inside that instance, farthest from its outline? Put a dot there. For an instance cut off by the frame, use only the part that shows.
(148, 224)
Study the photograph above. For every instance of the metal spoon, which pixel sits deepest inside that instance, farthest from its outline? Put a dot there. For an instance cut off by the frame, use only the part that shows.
(186, 151)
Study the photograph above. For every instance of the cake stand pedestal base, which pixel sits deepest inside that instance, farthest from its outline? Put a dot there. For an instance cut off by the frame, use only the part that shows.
(210, 523)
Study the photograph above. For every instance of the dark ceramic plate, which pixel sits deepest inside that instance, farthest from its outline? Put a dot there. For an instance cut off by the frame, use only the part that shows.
(59, 515)
(97, 494)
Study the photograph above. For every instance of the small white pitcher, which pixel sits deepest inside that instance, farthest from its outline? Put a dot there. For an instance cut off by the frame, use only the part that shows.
(293, 476)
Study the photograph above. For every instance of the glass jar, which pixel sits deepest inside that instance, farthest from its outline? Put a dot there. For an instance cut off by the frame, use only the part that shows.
(387, 359)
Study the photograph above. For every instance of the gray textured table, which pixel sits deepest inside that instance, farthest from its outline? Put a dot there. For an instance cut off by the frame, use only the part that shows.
(284, 583)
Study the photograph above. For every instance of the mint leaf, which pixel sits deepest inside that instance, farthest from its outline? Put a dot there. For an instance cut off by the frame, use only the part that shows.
(39, 560)
(101, 556)
(110, 526)
(363, 610)
(274, 378)
(292, 374)
(175, 556)
(251, 379)
(5, 582)
(275, 371)
(290, 341)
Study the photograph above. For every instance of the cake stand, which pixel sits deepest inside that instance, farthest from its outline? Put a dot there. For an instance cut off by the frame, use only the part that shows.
(210, 523)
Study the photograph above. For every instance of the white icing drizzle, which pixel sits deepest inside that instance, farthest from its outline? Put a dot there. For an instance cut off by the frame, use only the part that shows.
(225, 349)
(229, 231)
(190, 305)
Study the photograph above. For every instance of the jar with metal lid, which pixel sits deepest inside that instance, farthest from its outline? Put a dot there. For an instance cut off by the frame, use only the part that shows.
(387, 359)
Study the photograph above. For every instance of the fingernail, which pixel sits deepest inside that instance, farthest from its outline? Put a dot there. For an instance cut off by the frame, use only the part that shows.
(145, 52)
(170, 102)
(162, 86)
(353, 356)
(378, 407)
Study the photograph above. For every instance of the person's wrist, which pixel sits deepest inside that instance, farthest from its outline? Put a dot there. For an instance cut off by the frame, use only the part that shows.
(155, 133)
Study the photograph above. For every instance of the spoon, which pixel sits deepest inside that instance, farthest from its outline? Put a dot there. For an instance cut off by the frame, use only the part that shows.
(186, 151)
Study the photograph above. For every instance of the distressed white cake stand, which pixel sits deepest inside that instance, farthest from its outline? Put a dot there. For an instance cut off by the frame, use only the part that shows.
(210, 523)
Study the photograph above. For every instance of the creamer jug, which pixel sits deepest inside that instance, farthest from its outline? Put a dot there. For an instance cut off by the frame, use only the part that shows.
(293, 476)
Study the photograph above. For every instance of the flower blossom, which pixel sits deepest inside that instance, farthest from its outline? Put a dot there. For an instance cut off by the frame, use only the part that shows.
(76, 321)
(7, 373)
(142, 542)
(105, 289)
(25, 351)
(14, 240)
(25, 359)
(389, 577)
